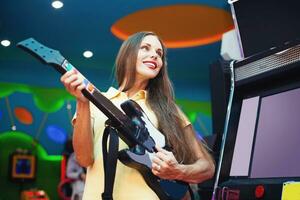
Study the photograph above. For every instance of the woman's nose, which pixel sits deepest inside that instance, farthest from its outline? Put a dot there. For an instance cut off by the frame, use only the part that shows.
(154, 54)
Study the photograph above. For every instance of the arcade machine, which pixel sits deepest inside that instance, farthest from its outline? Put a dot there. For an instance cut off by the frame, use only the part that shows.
(259, 154)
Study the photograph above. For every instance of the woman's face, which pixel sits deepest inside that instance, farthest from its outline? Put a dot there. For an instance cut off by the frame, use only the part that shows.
(149, 58)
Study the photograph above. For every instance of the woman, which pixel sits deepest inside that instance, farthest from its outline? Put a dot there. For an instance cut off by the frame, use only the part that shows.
(141, 71)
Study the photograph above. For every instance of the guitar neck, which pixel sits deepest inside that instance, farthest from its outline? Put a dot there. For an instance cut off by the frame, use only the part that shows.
(53, 57)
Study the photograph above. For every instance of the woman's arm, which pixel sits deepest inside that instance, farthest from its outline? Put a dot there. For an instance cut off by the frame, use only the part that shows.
(82, 135)
(166, 166)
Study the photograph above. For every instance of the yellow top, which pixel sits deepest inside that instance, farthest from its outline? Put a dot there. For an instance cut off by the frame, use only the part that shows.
(129, 184)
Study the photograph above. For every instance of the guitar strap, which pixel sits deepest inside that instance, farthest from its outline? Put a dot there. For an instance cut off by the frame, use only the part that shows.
(109, 161)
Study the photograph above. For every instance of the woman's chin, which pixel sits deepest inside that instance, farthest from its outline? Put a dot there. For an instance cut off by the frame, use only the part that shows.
(148, 74)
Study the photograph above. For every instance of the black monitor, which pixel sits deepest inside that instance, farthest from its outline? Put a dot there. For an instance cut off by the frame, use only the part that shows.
(264, 24)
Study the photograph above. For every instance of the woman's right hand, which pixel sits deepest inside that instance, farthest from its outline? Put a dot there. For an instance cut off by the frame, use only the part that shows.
(73, 82)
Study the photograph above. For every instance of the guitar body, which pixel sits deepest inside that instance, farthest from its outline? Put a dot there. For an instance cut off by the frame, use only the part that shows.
(139, 158)
(164, 189)
(134, 128)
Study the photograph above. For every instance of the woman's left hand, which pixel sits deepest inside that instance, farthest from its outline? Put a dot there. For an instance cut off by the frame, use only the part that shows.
(165, 165)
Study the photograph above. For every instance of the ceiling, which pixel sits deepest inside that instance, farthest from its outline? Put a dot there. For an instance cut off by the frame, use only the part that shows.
(86, 25)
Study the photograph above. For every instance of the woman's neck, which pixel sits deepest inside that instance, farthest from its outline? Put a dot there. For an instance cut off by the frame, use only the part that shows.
(137, 86)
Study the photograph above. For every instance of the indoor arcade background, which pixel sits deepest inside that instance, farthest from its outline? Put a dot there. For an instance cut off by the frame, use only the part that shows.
(35, 110)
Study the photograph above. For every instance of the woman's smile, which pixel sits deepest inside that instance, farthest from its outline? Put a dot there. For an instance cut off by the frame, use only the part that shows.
(150, 64)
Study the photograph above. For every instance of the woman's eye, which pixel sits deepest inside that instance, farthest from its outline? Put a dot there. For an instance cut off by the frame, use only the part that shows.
(159, 53)
(145, 47)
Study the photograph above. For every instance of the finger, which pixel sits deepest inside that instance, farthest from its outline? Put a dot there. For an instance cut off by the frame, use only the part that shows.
(168, 160)
(164, 164)
(67, 74)
(156, 166)
(156, 169)
(81, 87)
(71, 78)
(155, 172)
(159, 149)
(160, 162)
(156, 160)
(76, 83)
(68, 83)
(162, 156)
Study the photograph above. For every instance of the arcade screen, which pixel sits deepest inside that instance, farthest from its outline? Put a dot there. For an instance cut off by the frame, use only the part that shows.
(268, 137)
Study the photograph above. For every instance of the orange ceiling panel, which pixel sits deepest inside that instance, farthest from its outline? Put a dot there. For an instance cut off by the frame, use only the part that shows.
(178, 25)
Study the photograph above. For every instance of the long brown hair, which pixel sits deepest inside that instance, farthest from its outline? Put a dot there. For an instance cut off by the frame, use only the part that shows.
(160, 95)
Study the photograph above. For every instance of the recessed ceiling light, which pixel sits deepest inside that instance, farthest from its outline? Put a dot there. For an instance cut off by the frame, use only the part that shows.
(87, 54)
(57, 4)
(5, 43)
